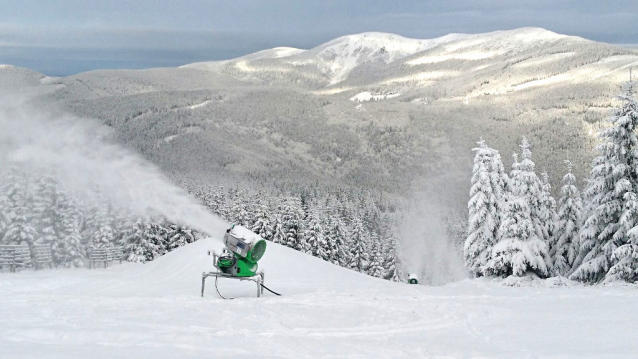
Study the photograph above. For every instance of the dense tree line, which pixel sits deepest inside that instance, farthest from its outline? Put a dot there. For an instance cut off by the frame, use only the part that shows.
(350, 229)
(515, 226)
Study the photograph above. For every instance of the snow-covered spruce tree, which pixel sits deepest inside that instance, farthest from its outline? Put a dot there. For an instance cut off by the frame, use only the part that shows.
(522, 247)
(178, 236)
(293, 215)
(525, 183)
(313, 237)
(519, 250)
(21, 228)
(375, 269)
(261, 222)
(338, 235)
(612, 178)
(218, 203)
(392, 262)
(324, 245)
(625, 257)
(6, 179)
(239, 209)
(330, 244)
(104, 234)
(146, 241)
(66, 249)
(486, 193)
(360, 257)
(389, 250)
(44, 211)
(159, 234)
(548, 215)
(279, 234)
(565, 245)
(137, 243)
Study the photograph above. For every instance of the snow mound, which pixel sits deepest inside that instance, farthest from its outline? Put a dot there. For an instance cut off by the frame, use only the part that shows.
(179, 273)
(532, 280)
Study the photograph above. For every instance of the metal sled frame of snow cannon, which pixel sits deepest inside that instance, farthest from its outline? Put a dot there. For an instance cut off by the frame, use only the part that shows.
(258, 278)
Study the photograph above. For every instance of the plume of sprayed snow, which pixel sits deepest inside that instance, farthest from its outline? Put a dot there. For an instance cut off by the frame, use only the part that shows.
(426, 247)
(77, 152)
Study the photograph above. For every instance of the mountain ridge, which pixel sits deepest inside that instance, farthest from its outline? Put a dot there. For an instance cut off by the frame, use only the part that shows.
(335, 59)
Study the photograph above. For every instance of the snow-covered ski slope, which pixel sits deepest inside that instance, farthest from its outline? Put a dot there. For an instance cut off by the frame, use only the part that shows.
(154, 310)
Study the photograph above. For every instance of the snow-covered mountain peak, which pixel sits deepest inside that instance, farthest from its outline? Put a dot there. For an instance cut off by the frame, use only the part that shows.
(384, 46)
(339, 56)
(531, 33)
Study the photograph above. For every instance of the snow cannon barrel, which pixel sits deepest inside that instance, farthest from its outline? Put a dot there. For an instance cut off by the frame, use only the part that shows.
(412, 279)
(248, 248)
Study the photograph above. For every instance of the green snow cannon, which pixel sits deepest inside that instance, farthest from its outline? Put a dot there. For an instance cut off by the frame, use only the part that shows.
(412, 279)
(247, 248)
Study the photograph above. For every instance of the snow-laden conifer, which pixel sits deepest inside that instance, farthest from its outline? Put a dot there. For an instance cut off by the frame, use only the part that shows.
(66, 248)
(261, 223)
(625, 257)
(525, 183)
(375, 268)
(278, 231)
(488, 185)
(360, 257)
(612, 179)
(178, 236)
(313, 237)
(548, 214)
(519, 250)
(140, 246)
(239, 209)
(19, 212)
(292, 217)
(104, 234)
(522, 247)
(44, 211)
(338, 234)
(392, 262)
(565, 246)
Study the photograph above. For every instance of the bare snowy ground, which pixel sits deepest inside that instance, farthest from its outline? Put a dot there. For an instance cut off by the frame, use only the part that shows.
(155, 311)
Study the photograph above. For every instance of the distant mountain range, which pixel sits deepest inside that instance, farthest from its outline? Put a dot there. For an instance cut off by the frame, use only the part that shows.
(374, 110)
(381, 59)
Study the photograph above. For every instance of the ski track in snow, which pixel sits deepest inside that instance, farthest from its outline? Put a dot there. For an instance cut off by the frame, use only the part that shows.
(154, 310)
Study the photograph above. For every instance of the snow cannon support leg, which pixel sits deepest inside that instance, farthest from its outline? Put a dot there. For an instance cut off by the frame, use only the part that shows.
(203, 282)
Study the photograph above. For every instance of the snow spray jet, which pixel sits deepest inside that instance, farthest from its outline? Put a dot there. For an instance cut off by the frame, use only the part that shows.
(78, 153)
(426, 248)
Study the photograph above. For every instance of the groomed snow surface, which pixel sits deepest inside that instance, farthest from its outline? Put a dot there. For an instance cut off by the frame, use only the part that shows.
(154, 310)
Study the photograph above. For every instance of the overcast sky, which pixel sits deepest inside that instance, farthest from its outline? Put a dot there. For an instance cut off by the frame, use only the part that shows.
(59, 37)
